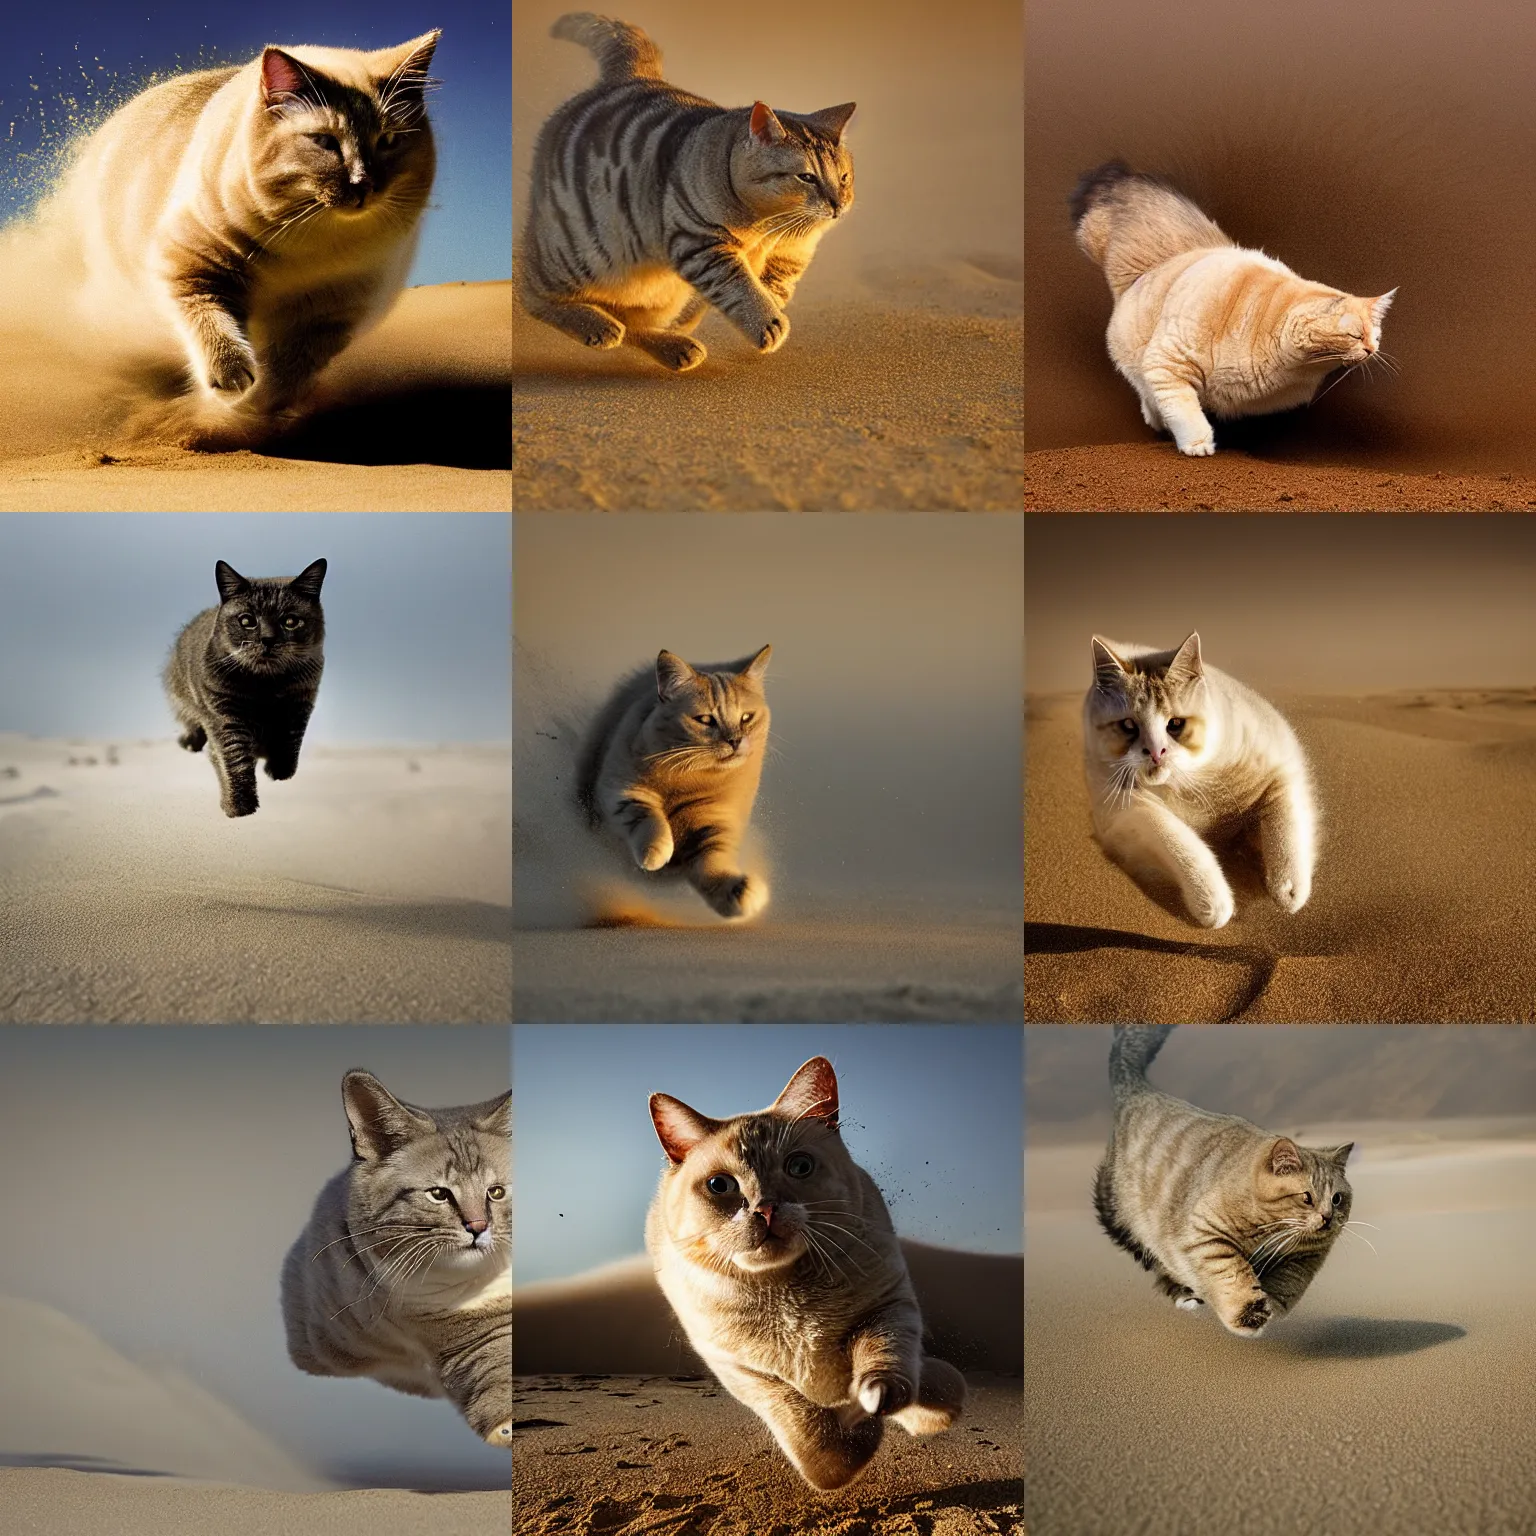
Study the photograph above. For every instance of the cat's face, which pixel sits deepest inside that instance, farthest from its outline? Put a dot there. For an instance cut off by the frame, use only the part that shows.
(343, 131)
(1342, 329)
(758, 1193)
(429, 1187)
(270, 627)
(795, 169)
(715, 718)
(1147, 717)
(1304, 1197)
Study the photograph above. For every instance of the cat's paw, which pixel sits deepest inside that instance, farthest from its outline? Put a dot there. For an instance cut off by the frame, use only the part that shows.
(500, 1435)
(1250, 1321)
(1211, 908)
(739, 896)
(1290, 891)
(1199, 447)
(679, 353)
(773, 333)
(598, 330)
(881, 1393)
(231, 367)
(194, 740)
(283, 768)
(654, 851)
(240, 805)
(1189, 1302)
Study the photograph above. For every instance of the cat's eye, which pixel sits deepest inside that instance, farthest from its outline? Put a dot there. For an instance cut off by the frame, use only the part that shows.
(746, 717)
(1338, 1200)
(440, 1194)
(705, 719)
(247, 622)
(326, 141)
(800, 1166)
(806, 176)
(292, 623)
(720, 1184)
(1175, 726)
(388, 140)
(1307, 1196)
(1128, 726)
(497, 1192)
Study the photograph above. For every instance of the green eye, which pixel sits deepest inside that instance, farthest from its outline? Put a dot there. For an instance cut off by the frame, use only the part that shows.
(497, 1192)
(247, 622)
(800, 1166)
(440, 1194)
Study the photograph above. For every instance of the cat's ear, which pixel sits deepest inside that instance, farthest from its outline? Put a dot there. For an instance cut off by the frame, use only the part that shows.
(679, 1128)
(405, 68)
(380, 1123)
(231, 582)
(1108, 670)
(1284, 1157)
(1186, 666)
(495, 1115)
(811, 1093)
(672, 672)
(1338, 1156)
(832, 120)
(307, 582)
(1379, 307)
(284, 80)
(755, 668)
(766, 128)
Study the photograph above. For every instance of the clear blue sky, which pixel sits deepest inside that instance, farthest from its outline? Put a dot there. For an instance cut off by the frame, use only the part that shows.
(418, 617)
(63, 61)
(933, 1112)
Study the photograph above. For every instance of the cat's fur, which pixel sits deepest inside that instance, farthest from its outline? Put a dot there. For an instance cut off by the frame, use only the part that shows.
(260, 216)
(391, 1281)
(243, 677)
(671, 765)
(1179, 756)
(649, 203)
(789, 1281)
(1222, 1213)
(1202, 326)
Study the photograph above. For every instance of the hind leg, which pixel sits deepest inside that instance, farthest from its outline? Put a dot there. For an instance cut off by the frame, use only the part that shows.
(664, 336)
(194, 738)
(587, 323)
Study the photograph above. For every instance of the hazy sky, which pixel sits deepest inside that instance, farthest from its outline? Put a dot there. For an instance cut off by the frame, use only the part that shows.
(184, 1162)
(59, 59)
(934, 1113)
(417, 617)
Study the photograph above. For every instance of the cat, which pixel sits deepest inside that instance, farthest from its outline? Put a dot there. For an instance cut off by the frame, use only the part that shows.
(257, 217)
(1203, 325)
(777, 1254)
(1222, 1213)
(671, 766)
(242, 678)
(403, 1272)
(649, 203)
(1177, 755)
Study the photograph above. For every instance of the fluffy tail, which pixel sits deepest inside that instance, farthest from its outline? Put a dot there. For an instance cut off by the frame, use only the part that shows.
(1129, 224)
(622, 52)
(1130, 1054)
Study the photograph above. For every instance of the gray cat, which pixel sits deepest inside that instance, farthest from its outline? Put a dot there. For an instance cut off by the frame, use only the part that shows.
(242, 678)
(404, 1271)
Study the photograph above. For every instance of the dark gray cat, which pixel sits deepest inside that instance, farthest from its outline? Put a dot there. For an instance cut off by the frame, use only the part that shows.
(242, 677)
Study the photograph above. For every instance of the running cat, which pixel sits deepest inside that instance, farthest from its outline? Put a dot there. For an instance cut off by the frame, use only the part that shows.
(404, 1270)
(1203, 325)
(243, 678)
(1178, 755)
(778, 1256)
(1222, 1213)
(650, 203)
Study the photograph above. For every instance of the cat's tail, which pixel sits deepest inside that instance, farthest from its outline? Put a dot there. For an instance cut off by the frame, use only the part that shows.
(1129, 223)
(622, 52)
(1130, 1054)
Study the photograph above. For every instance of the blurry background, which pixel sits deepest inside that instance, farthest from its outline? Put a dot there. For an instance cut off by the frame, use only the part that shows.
(932, 1113)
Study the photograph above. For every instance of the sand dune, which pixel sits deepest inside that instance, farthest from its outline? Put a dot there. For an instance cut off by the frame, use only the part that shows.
(364, 890)
(1420, 909)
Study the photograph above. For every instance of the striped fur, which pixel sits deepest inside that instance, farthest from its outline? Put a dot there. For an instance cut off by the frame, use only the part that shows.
(243, 677)
(671, 766)
(649, 204)
(404, 1273)
(1179, 756)
(1222, 1213)
(1202, 326)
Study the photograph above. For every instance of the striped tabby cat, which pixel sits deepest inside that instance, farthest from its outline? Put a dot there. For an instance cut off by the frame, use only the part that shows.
(243, 678)
(649, 203)
(404, 1271)
(671, 765)
(1221, 1212)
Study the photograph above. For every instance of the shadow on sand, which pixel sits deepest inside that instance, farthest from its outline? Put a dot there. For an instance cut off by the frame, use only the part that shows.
(1365, 1338)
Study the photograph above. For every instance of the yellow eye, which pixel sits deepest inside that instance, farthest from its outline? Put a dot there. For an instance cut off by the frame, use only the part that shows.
(497, 1192)
(440, 1194)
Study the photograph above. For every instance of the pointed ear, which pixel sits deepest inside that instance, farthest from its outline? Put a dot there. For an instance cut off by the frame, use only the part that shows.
(496, 1115)
(1185, 666)
(404, 71)
(380, 1123)
(1338, 1156)
(1108, 669)
(307, 582)
(766, 128)
(755, 668)
(811, 1093)
(672, 672)
(231, 582)
(283, 79)
(832, 120)
(679, 1128)
(1284, 1157)
(1380, 306)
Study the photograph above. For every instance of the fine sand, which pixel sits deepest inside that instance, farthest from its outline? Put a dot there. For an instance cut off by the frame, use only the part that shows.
(1395, 1400)
(1420, 908)
(413, 417)
(371, 888)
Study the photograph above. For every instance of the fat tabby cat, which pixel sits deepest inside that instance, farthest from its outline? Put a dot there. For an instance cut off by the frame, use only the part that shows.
(1224, 1214)
(243, 677)
(649, 203)
(778, 1256)
(671, 766)
(1203, 327)
(404, 1271)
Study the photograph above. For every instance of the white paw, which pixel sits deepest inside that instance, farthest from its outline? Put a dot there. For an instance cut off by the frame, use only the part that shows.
(742, 897)
(1189, 1303)
(1211, 909)
(1290, 892)
(1199, 447)
(655, 854)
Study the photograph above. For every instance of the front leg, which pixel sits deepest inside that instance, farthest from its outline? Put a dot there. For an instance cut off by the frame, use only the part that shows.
(1284, 1283)
(233, 750)
(1176, 401)
(712, 859)
(475, 1368)
(1288, 839)
(892, 1378)
(1228, 1283)
(291, 361)
(1149, 839)
(639, 816)
(719, 273)
(286, 740)
(210, 314)
(780, 275)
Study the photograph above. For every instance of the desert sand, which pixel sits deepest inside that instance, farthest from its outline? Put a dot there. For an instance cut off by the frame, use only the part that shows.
(1420, 908)
(365, 890)
(1394, 1400)
(413, 417)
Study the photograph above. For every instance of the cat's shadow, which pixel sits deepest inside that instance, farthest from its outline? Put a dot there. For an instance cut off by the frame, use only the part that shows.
(1363, 1338)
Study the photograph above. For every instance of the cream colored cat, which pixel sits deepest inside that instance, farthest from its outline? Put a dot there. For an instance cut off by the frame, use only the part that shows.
(1202, 326)
(1177, 753)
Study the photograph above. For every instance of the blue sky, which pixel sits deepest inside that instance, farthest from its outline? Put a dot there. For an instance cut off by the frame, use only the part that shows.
(933, 1112)
(61, 62)
(418, 614)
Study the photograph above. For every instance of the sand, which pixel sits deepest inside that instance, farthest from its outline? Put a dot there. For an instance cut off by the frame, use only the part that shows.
(362, 891)
(413, 417)
(1420, 909)
(1395, 1400)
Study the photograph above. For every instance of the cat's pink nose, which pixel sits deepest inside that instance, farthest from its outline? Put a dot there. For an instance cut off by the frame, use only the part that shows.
(1157, 754)
(477, 1227)
(765, 1209)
